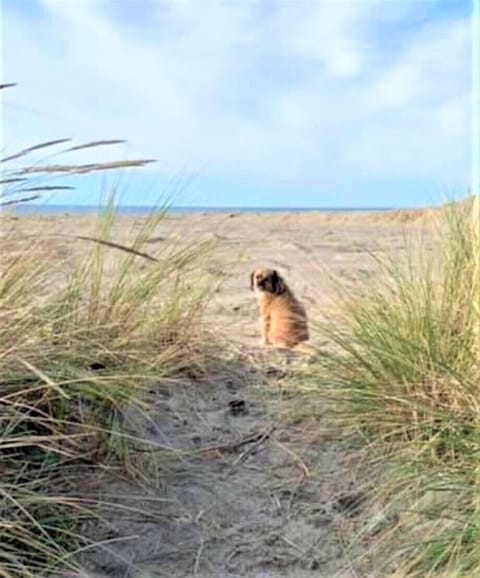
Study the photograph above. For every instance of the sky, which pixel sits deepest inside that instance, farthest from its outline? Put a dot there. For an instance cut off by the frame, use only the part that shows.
(269, 103)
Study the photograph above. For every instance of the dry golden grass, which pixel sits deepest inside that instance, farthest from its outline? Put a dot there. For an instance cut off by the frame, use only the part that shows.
(73, 355)
(83, 336)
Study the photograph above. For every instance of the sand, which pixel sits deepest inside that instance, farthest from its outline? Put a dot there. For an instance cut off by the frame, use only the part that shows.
(306, 248)
(273, 497)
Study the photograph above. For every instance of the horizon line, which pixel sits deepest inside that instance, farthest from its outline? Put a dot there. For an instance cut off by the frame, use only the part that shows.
(209, 206)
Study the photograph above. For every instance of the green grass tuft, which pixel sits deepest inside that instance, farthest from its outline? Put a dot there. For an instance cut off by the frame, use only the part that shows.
(403, 378)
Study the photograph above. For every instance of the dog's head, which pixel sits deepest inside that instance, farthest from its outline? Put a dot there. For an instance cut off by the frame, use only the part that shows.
(267, 280)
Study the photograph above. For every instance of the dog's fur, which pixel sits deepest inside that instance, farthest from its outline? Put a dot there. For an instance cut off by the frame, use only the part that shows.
(283, 318)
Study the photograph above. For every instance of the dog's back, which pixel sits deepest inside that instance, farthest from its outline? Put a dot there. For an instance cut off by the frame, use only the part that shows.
(288, 320)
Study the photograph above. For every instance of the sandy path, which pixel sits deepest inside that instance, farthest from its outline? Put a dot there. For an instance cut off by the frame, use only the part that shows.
(265, 501)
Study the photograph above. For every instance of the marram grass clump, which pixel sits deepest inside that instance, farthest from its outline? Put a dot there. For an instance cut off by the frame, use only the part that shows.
(83, 336)
(404, 376)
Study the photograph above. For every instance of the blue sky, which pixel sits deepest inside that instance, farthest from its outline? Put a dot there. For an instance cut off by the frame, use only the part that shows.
(264, 103)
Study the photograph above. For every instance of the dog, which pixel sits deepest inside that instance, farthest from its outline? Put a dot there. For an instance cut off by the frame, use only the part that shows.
(283, 318)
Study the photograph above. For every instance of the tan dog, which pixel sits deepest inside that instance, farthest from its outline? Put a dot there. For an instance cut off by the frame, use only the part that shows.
(283, 319)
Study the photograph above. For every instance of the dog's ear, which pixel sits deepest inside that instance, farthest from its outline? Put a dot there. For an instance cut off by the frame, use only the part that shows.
(251, 280)
(278, 286)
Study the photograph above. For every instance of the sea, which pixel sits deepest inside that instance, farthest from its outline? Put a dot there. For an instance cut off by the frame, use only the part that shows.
(50, 209)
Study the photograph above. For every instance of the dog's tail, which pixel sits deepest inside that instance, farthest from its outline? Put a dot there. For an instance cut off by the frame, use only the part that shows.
(305, 347)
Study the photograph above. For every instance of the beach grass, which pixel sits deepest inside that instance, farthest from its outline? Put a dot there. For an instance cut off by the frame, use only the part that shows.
(86, 333)
(401, 379)
(80, 342)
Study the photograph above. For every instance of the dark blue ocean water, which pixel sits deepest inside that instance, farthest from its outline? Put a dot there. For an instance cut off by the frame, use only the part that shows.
(44, 209)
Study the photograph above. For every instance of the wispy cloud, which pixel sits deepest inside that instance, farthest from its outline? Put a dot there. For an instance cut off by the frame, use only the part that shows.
(315, 98)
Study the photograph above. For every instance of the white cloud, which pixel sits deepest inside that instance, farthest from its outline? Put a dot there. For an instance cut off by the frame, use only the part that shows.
(302, 92)
(420, 109)
(432, 66)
